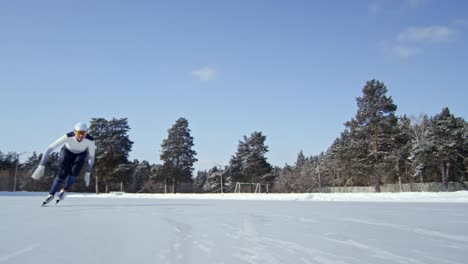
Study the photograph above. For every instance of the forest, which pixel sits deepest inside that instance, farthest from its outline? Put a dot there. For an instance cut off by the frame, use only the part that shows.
(376, 147)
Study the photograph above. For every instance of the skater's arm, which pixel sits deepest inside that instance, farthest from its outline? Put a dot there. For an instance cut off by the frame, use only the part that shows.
(91, 151)
(51, 149)
(90, 163)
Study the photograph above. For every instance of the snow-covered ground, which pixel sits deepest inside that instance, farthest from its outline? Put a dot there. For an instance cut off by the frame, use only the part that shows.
(233, 228)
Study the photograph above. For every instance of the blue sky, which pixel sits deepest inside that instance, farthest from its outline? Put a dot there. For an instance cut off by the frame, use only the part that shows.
(290, 69)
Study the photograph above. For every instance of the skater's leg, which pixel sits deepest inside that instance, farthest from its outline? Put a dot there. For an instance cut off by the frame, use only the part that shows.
(70, 181)
(68, 184)
(56, 185)
(76, 167)
(76, 164)
(65, 168)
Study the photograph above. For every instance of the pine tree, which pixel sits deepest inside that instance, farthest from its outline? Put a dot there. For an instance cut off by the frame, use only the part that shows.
(177, 153)
(237, 163)
(361, 165)
(7, 161)
(200, 181)
(113, 147)
(373, 127)
(446, 133)
(465, 150)
(156, 177)
(422, 160)
(249, 164)
(140, 175)
(402, 149)
(340, 158)
(301, 160)
(257, 167)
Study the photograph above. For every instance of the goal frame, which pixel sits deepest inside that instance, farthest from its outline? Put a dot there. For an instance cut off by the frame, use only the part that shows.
(257, 185)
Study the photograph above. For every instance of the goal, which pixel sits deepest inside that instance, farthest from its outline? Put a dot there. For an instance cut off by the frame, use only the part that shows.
(250, 187)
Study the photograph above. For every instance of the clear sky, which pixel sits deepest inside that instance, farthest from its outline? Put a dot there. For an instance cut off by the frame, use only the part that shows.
(290, 69)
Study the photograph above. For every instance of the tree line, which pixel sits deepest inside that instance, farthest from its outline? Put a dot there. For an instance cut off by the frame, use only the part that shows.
(376, 147)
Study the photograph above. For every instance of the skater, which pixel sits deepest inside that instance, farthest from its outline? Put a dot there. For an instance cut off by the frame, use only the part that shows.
(72, 159)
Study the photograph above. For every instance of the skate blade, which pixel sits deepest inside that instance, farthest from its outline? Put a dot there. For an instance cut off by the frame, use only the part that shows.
(46, 202)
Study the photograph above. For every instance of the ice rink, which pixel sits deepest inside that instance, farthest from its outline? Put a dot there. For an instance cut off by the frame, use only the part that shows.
(139, 229)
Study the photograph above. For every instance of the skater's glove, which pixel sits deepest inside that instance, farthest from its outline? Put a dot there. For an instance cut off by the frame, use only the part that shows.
(38, 173)
(86, 178)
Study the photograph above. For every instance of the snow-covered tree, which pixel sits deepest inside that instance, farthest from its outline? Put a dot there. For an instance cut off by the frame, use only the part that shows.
(421, 154)
(447, 136)
(340, 160)
(401, 150)
(213, 181)
(177, 154)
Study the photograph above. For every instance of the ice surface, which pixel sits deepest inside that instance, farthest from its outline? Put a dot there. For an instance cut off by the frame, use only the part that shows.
(266, 228)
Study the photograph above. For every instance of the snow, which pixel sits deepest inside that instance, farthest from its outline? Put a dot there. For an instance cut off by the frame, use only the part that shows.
(235, 228)
(433, 197)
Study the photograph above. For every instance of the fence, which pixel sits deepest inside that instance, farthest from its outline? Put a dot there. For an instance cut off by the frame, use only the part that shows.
(409, 187)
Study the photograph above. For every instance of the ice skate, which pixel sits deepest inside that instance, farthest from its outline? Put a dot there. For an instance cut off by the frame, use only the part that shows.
(49, 198)
(60, 196)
